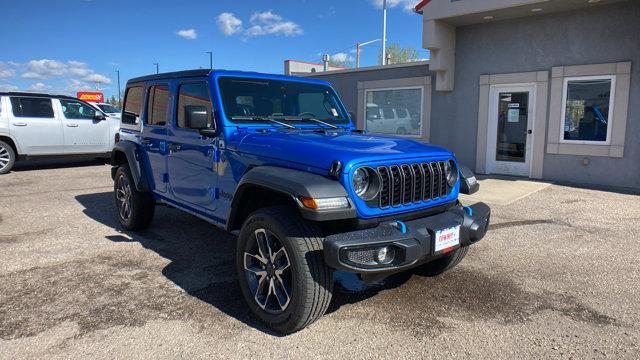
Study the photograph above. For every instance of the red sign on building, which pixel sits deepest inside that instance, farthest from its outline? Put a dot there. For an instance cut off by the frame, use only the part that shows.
(91, 96)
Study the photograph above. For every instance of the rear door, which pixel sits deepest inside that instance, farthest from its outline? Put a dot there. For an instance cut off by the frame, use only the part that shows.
(192, 165)
(34, 124)
(83, 134)
(155, 132)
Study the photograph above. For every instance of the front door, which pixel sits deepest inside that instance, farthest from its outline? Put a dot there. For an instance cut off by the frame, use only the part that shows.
(510, 132)
(192, 166)
(83, 134)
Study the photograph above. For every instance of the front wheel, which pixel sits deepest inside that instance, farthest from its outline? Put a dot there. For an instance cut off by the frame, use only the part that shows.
(281, 269)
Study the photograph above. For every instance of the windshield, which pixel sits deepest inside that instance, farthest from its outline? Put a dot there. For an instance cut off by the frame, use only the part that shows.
(243, 98)
(109, 108)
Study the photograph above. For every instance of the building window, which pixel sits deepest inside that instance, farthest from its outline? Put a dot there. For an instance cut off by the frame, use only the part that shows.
(395, 111)
(587, 109)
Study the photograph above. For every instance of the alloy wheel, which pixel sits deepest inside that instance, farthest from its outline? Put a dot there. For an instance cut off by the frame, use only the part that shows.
(5, 158)
(123, 197)
(268, 271)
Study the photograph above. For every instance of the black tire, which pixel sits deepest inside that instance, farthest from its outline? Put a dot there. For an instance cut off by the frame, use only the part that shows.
(141, 205)
(401, 131)
(7, 157)
(310, 280)
(443, 264)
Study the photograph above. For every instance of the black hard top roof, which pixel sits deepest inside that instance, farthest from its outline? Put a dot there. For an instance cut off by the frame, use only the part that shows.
(172, 75)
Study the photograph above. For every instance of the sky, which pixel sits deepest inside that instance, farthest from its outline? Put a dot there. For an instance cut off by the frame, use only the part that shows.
(65, 46)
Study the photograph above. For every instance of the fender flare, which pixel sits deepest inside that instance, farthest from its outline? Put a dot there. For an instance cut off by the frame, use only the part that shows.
(130, 150)
(294, 183)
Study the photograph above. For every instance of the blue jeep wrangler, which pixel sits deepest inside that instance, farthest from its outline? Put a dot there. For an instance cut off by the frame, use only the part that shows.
(278, 161)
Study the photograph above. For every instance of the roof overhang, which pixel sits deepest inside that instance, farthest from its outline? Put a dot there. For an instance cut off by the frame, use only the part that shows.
(468, 12)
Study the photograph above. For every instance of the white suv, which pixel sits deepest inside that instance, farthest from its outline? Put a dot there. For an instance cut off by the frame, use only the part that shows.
(34, 125)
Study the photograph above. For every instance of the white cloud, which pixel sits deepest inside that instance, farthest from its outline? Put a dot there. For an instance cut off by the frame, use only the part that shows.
(8, 87)
(189, 34)
(39, 87)
(407, 5)
(341, 57)
(99, 78)
(44, 69)
(229, 24)
(6, 71)
(77, 85)
(78, 68)
(268, 22)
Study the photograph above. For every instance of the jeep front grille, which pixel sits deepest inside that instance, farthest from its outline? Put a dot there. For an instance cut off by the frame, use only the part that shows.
(405, 184)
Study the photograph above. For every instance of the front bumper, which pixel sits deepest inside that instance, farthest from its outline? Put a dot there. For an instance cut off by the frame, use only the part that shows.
(412, 241)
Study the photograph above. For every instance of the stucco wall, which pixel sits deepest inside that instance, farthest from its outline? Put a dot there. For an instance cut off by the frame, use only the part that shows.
(602, 34)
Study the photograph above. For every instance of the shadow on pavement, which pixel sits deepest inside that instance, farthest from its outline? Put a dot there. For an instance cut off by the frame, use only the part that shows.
(202, 258)
(57, 163)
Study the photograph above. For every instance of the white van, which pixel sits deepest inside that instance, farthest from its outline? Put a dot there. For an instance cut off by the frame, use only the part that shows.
(33, 125)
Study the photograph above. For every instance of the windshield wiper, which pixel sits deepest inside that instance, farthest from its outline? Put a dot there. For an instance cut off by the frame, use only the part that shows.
(317, 121)
(263, 118)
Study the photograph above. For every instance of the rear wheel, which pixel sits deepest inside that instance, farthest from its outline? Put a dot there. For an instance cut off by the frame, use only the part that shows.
(281, 269)
(7, 157)
(444, 263)
(135, 208)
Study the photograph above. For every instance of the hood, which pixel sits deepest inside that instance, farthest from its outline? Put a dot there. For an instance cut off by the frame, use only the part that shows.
(321, 149)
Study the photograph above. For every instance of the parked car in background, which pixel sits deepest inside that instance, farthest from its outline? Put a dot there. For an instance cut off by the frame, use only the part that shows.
(108, 109)
(277, 161)
(34, 125)
(388, 120)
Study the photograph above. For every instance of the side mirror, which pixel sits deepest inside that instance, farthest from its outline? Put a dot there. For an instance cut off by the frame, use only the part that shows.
(99, 116)
(196, 117)
(468, 183)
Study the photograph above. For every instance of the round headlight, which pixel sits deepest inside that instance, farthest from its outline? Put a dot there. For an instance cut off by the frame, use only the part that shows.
(452, 172)
(366, 183)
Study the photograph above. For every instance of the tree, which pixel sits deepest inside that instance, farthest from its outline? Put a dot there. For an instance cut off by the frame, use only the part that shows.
(113, 101)
(400, 55)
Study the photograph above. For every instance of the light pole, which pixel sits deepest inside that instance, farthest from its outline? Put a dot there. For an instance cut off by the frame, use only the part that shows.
(210, 59)
(358, 46)
(119, 95)
(157, 68)
(384, 32)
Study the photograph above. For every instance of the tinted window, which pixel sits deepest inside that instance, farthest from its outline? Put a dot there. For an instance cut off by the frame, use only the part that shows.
(407, 103)
(388, 113)
(77, 110)
(32, 107)
(401, 113)
(157, 105)
(587, 110)
(133, 101)
(195, 94)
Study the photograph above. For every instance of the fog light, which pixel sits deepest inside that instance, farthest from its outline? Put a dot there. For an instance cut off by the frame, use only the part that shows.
(385, 255)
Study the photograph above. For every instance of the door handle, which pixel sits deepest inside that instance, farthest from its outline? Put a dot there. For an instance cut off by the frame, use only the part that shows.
(72, 125)
(20, 124)
(529, 132)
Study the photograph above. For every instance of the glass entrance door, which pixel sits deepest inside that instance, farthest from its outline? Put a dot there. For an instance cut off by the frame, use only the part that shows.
(510, 130)
(513, 114)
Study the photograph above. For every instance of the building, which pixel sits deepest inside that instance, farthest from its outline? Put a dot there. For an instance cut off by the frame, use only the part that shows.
(296, 67)
(540, 89)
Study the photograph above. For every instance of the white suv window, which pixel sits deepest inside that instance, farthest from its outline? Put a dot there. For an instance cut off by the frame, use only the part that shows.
(77, 110)
(32, 107)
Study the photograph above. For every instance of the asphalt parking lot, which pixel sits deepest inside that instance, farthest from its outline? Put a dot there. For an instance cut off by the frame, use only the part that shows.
(558, 276)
